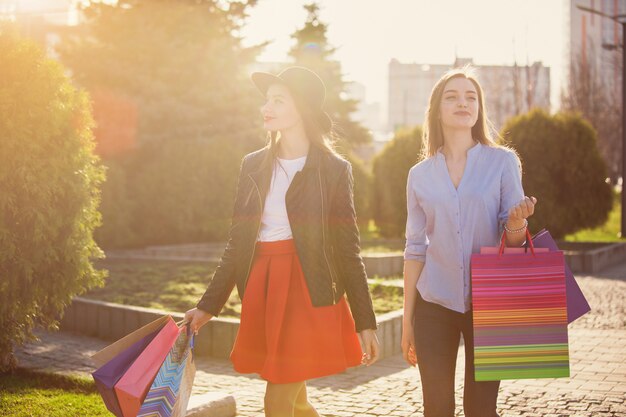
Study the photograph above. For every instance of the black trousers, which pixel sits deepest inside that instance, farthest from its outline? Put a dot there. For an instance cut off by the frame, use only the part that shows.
(437, 335)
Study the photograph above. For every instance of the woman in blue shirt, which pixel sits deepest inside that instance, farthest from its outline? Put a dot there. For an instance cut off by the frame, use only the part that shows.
(464, 193)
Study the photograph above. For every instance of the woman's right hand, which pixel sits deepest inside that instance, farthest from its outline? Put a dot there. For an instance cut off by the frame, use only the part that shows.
(408, 344)
(197, 318)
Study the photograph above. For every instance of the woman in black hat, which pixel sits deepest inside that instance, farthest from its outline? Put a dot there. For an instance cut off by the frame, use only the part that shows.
(293, 251)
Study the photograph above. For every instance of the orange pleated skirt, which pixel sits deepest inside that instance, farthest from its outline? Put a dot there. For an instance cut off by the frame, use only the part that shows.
(282, 336)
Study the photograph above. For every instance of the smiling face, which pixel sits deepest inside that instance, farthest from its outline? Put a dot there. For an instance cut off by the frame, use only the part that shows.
(459, 104)
(279, 110)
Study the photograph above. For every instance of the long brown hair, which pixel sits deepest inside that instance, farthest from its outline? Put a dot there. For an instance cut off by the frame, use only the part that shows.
(325, 141)
(483, 130)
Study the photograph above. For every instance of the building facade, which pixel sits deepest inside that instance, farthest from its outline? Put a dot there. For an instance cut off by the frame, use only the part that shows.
(509, 90)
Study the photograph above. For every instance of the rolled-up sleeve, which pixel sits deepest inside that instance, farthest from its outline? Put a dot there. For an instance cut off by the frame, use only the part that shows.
(511, 191)
(416, 239)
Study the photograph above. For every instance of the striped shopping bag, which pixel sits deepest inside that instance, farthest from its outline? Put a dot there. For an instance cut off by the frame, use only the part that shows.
(519, 313)
(127, 368)
(170, 391)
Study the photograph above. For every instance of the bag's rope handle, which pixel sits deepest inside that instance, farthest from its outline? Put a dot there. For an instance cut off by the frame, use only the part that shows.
(529, 242)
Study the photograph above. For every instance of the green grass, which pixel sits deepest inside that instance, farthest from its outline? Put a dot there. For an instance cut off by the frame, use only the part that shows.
(386, 298)
(608, 232)
(167, 285)
(177, 286)
(25, 393)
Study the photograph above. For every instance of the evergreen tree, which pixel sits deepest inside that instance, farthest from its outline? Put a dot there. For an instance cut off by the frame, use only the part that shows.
(313, 51)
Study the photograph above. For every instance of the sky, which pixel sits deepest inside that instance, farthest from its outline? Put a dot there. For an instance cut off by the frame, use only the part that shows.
(369, 33)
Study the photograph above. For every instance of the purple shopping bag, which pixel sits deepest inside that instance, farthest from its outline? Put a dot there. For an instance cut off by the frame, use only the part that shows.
(109, 374)
(577, 304)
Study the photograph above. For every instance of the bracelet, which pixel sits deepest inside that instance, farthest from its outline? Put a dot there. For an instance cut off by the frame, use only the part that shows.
(521, 229)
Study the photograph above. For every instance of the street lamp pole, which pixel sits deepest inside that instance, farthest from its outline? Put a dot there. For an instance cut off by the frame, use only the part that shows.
(623, 226)
(621, 19)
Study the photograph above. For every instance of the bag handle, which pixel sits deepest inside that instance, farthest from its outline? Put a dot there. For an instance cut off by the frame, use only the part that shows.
(529, 242)
(190, 334)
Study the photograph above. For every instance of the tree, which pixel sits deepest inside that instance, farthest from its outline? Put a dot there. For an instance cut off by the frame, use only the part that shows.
(390, 172)
(49, 183)
(563, 168)
(597, 97)
(313, 51)
(178, 61)
(175, 68)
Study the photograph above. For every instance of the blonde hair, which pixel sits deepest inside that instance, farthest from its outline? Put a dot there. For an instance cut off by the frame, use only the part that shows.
(432, 135)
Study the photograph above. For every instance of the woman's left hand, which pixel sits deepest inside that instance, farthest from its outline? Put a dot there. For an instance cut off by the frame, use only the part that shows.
(523, 210)
(370, 342)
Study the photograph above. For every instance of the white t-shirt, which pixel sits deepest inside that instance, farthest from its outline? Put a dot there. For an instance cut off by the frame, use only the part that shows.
(274, 221)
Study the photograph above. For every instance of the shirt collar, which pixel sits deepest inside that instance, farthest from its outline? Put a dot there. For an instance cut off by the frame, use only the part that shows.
(471, 150)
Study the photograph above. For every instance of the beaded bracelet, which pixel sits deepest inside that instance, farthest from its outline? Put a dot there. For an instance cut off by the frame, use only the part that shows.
(521, 229)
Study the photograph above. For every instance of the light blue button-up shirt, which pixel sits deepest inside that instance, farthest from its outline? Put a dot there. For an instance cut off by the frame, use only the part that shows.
(445, 225)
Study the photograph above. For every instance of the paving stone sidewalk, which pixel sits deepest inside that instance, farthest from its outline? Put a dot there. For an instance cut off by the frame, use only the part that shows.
(596, 387)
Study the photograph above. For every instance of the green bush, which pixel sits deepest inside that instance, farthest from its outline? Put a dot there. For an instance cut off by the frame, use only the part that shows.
(116, 207)
(172, 191)
(563, 168)
(49, 183)
(184, 191)
(390, 171)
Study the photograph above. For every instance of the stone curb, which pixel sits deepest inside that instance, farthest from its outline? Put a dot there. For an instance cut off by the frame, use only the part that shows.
(111, 321)
(212, 404)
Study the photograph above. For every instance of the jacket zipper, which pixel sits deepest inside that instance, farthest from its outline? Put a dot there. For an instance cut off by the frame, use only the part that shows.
(245, 284)
(334, 285)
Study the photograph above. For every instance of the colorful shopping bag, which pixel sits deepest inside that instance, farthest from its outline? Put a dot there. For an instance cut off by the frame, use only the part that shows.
(114, 360)
(169, 394)
(577, 304)
(519, 313)
(105, 355)
(110, 373)
(133, 386)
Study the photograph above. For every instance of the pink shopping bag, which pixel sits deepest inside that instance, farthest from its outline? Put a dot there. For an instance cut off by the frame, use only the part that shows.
(133, 387)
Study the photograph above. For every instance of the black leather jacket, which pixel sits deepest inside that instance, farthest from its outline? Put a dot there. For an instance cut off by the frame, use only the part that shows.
(321, 214)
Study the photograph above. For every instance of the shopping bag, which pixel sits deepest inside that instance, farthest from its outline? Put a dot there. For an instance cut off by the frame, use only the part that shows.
(519, 313)
(132, 387)
(577, 304)
(105, 355)
(186, 384)
(110, 373)
(169, 394)
(114, 360)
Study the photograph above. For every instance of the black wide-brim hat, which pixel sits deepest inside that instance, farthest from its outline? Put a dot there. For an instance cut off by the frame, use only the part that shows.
(306, 87)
